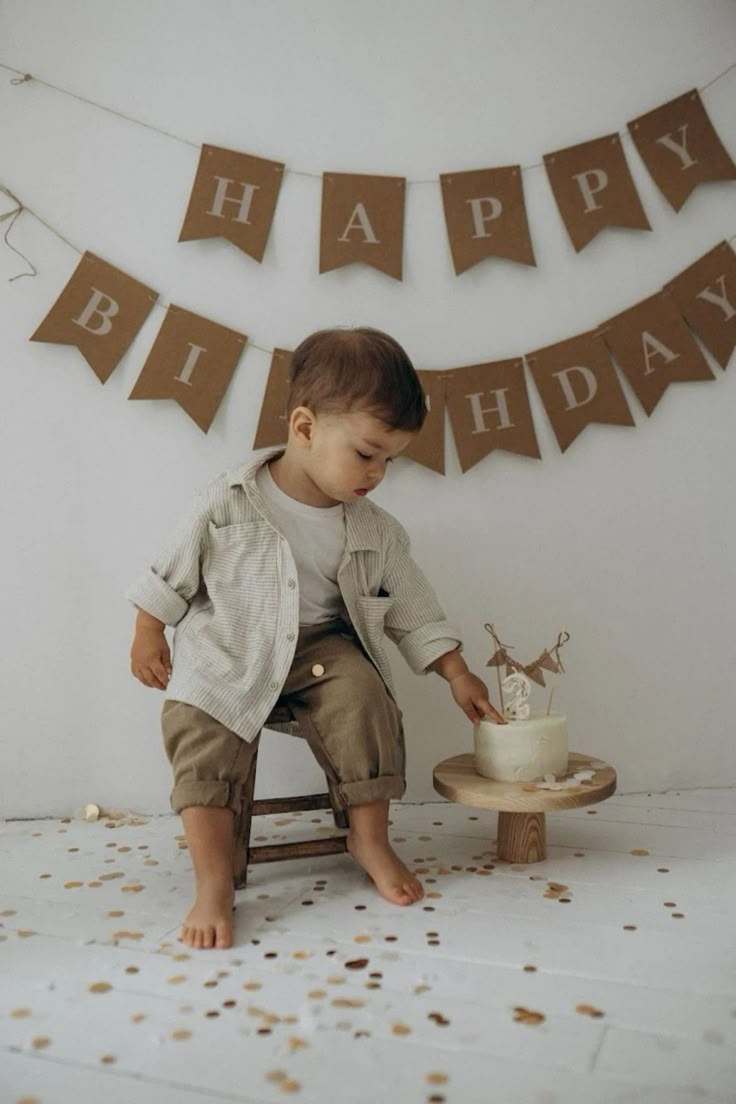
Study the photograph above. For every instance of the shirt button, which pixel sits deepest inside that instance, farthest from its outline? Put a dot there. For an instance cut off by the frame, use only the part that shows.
(274, 686)
(318, 670)
(291, 583)
(289, 636)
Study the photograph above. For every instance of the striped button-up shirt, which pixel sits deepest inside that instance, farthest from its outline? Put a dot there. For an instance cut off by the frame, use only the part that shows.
(228, 581)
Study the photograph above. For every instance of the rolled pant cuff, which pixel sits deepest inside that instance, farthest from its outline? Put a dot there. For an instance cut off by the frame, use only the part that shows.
(372, 789)
(217, 792)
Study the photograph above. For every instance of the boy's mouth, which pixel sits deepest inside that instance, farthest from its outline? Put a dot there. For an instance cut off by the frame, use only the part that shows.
(362, 491)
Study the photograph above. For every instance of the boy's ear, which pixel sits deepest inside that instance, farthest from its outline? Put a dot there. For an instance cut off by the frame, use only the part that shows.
(301, 424)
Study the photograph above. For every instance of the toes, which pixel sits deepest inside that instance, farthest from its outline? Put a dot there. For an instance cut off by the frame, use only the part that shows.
(223, 936)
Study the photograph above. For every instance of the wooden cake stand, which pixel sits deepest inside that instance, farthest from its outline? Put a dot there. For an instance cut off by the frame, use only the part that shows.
(521, 805)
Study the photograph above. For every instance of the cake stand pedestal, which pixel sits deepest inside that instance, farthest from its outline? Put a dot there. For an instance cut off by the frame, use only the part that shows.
(521, 806)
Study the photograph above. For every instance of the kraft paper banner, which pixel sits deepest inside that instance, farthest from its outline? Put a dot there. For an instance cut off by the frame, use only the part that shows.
(99, 311)
(489, 409)
(578, 385)
(679, 146)
(705, 294)
(486, 216)
(192, 361)
(654, 348)
(273, 424)
(234, 197)
(428, 447)
(594, 189)
(362, 220)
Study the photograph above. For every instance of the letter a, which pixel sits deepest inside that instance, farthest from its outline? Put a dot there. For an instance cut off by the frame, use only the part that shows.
(359, 221)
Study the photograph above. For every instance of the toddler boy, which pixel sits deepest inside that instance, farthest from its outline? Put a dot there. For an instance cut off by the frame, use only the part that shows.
(282, 581)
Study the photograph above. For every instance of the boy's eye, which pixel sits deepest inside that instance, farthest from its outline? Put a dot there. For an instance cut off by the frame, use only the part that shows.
(362, 455)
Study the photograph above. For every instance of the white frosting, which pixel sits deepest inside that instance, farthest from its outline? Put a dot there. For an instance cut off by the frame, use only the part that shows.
(517, 687)
(522, 751)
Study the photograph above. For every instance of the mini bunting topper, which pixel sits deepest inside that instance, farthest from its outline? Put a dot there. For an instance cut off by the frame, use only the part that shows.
(362, 220)
(549, 659)
(654, 348)
(428, 446)
(679, 146)
(578, 385)
(486, 216)
(99, 311)
(234, 196)
(593, 189)
(192, 361)
(705, 295)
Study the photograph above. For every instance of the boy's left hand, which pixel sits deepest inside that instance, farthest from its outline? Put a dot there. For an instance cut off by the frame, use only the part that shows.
(471, 694)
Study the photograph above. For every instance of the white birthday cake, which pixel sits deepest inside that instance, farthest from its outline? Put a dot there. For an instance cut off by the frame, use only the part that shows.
(531, 746)
(522, 750)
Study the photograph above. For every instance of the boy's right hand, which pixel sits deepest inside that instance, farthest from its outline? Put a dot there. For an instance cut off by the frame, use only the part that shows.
(150, 659)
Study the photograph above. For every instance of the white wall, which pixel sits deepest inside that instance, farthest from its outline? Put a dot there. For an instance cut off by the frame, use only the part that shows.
(626, 540)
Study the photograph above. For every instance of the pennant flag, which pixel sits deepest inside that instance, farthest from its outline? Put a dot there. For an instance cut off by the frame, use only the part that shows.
(234, 197)
(680, 148)
(489, 409)
(486, 216)
(273, 424)
(428, 446)
(654, 348)
(535, 674)
(578, 385)
(362, 220)
(546, 661)
(705, 294)
(594, 189)
(192, 361)
(99, 311)
(498, 659)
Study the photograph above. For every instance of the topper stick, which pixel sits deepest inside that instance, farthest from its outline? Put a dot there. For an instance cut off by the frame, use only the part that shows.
(549, 703)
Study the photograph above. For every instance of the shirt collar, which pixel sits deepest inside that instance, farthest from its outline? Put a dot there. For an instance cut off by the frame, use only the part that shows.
(362, 521)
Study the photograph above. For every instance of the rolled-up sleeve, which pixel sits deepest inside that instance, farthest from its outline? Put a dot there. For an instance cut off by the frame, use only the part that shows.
(415, 620)
(167, 587)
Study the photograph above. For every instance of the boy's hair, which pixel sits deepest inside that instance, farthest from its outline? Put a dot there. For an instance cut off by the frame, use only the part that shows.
(338, 370)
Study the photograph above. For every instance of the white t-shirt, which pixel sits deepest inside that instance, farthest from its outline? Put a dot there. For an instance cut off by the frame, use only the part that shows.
(316, 536)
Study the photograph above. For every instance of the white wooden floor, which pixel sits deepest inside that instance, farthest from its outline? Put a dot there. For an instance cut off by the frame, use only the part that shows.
(605, 974)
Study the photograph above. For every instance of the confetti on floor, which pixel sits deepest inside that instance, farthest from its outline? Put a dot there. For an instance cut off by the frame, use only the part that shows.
(624, 990)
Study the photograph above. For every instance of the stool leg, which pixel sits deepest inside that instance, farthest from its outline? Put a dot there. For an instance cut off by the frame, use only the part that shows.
(241, 830)
(522, 837)
(340, 814)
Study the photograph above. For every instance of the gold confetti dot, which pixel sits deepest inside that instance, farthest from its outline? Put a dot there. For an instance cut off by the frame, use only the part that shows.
(112, 875)
(44, 875)
(252, 985)
(336, 979)
(127, 935)
(276, 1075)
(72, 885)
(362, 939)
(290, 1086)
(177, 979)
(302, 954)
(670, 904)
(437, 1078)
(132, 969)
(678, 915)
(40, 1042)
(100, 987)
(356, 964)
(108, 1059)
(137, 1017)
(639, 851)
(347, 1002)
(629, 927)
(530, 969)
(28, 1100)
(181, 1033)
(135, 888)
(150, 862)
(316, 994)
(527, 1016)
(116, 912)
(20, 1013)
(400, 1029)
(433, 893)
(438, 1018)
(663, 870)
(295, 1043)
(589, 1010)
(24, 933)
(94, 885)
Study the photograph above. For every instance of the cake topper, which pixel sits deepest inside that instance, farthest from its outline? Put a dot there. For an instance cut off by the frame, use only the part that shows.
(517, 678)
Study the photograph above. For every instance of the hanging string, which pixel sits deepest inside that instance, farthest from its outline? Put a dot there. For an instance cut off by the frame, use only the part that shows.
(25, 78)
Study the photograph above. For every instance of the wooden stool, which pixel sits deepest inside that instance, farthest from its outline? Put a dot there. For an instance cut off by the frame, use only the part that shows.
(274, 852)
(521, 805)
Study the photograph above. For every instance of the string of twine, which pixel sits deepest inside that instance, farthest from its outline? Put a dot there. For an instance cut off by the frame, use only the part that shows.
(24, 78)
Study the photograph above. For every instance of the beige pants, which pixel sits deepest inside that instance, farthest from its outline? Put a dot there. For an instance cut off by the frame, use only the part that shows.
(346, 714)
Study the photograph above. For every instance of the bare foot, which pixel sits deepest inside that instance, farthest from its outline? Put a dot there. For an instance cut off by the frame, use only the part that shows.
(209, 922)
(386, 870)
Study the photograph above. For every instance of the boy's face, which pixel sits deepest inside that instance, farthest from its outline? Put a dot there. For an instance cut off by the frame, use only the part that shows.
(346, 455)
